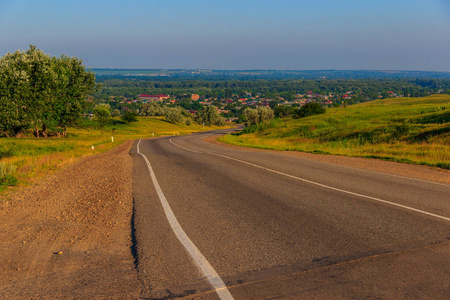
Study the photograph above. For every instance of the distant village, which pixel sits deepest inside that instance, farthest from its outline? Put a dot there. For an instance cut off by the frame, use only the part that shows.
(228, 107)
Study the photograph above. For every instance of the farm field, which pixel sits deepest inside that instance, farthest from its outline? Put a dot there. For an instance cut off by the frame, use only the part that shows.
(409, 130)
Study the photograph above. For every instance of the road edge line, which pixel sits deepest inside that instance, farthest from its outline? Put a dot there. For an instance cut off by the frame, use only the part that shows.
(202, 263)
(333, 188)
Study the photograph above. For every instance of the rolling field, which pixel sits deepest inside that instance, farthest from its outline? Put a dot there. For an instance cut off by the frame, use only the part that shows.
(410, 130)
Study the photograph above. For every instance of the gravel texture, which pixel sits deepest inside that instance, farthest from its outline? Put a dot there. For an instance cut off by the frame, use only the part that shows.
(69, 235)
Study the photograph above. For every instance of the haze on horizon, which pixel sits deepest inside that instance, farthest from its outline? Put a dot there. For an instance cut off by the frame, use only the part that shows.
(232, 35)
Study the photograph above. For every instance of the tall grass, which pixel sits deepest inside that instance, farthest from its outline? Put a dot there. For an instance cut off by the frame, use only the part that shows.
(411, 130)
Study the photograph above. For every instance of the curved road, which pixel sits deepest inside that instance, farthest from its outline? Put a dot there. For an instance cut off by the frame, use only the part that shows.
(273, 226)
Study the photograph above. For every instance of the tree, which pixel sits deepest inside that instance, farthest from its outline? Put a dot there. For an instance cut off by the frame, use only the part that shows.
(152, 109)
(129, 117)
(42, 92)
(283, 111)
(174, 115)
(102, 115)
(210, 116)
(115, 113)
(258, 115)
(309, 109)
(251, 115)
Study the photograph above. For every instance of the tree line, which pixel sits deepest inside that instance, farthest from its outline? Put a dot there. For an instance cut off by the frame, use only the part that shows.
(363, 89)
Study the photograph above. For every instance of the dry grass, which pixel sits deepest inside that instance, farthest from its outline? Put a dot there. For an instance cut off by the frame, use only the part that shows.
(30, 158)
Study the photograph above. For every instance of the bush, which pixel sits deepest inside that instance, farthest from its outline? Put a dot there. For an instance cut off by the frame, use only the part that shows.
(129, 117)
(310, 109)
(102, 115)
(174, 115)
(258, 115)
(115, 113)
(210, 116)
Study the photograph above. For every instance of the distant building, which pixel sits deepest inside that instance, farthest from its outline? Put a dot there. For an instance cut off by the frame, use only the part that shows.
(195, 97)
(145, 97)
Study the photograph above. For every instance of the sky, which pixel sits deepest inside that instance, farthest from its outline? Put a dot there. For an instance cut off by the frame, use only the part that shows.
(235, 34)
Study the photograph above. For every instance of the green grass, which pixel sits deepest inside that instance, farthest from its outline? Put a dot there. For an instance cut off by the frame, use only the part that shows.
(25, 159)
(410, 130)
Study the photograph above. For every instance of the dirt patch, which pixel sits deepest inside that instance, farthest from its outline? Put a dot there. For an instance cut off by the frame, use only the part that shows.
(69, 235)
(412, 171)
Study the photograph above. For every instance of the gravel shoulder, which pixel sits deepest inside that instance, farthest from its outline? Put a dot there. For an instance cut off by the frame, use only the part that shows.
(69, 235)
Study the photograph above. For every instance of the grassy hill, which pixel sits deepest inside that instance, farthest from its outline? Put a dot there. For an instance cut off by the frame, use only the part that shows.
(24, 159)
(411, 130)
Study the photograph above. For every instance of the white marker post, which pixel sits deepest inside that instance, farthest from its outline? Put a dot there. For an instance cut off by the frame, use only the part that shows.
(112, 139)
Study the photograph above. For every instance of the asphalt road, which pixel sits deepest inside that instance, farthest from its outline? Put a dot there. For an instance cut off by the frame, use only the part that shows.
(275, 226)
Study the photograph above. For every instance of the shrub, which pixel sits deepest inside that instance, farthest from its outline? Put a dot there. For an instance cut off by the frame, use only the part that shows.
(129, 117)
(115, 113)
(310, 109)
(209, 116)
(174, 115)
(258, 115)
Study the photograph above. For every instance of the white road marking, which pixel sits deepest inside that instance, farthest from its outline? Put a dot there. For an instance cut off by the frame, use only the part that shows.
(200, 260)
(190, 150)
(328, 187)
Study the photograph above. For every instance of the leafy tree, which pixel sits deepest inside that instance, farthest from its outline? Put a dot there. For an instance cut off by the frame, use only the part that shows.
(210, 116)
(152, 109)
(115, 113)
(174, 115)
(258, 115)
(42, 92)
(309, 109)
(102, 115)
(283, 111)
(129, 117)
(252, 116)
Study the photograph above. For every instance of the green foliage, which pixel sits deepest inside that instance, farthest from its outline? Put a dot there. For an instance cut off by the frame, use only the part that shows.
(102, 115)
(174, 115)
(258, 115)
(115, 113)
(365, 89)
(210, 116)
(259, 127)
(284, 111)
(310, 109)
(129, 117)
(152, 109)
(42, 92)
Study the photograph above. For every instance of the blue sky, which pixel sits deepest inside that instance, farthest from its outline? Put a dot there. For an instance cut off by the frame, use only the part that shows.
(245, 34)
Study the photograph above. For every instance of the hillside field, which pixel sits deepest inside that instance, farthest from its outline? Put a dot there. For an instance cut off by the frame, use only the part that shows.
(410, 130)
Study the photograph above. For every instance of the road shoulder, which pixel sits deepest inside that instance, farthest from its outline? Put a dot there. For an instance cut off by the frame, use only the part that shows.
(68, 236)
(420, 172)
